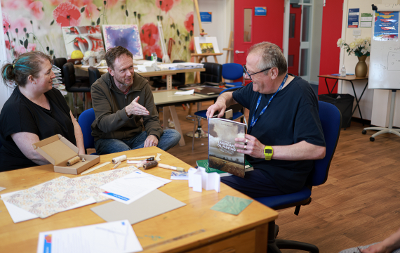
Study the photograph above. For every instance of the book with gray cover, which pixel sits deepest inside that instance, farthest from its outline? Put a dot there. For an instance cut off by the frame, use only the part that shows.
(222, 153)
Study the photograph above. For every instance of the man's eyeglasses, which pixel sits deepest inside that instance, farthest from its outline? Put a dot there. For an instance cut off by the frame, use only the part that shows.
(245, 69)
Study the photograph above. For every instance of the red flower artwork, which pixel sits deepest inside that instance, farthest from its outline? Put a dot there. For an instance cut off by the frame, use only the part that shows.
(147, 50)
(6, 23)
(149, 34)
(91, 10)
(189, 21)
(37, 9)
(111, 3)
(191, 45)
(21, 23)
(55, 2)
(166, 5)
(67, 14)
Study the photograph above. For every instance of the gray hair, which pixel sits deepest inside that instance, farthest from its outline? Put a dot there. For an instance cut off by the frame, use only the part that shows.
(271, 56)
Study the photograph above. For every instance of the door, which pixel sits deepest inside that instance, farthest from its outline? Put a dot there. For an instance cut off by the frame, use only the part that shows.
(294, 39)
(251, 28)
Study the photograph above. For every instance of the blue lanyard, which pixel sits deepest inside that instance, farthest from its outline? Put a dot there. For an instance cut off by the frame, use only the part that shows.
(253, 119)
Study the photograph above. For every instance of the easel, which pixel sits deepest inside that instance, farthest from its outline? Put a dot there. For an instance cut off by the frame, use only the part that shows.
(229, 49)
(197, 56)
(384, 130)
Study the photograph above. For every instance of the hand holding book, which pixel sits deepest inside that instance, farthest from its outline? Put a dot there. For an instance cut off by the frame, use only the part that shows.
(250, 145)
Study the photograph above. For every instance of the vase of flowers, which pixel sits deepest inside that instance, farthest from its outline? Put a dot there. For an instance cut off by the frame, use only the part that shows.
(360, 48)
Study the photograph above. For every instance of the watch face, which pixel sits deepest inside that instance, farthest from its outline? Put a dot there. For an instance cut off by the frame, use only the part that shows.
(267, 151)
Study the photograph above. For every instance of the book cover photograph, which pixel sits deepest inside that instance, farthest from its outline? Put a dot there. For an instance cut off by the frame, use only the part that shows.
(222, 154)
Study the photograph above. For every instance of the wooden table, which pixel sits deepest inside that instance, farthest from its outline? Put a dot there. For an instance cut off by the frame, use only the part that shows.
(192, 228)
(349, 79)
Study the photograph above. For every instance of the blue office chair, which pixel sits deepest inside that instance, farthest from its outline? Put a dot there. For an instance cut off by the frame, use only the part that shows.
(85, 120)
(331, 121)
(238, 113)
(232, 71)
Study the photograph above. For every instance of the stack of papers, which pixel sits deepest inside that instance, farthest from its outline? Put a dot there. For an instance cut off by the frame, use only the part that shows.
(182, 65)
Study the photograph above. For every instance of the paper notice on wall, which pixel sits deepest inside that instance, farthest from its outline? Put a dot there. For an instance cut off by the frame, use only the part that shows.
(353, 18)
(366, 20)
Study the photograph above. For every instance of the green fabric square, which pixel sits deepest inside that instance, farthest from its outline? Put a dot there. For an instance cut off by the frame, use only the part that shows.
(231, 204)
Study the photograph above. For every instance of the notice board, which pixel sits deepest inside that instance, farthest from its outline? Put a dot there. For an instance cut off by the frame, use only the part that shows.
(384, 67)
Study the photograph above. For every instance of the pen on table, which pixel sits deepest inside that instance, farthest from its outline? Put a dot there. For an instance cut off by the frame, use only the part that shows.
(116, 165)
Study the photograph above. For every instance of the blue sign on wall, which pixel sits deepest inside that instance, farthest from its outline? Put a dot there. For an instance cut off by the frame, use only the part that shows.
(206, 16)
(260, 11)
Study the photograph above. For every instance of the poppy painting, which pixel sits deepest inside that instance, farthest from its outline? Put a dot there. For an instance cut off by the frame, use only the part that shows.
(123, 35)
(82, 38)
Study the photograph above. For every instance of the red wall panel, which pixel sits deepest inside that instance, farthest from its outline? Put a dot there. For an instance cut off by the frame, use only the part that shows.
(331, 32)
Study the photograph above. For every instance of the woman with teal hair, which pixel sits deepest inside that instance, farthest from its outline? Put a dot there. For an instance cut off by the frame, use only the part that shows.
(34, 111)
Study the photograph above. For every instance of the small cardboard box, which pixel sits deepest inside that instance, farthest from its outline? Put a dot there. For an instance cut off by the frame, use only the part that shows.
(58, 150)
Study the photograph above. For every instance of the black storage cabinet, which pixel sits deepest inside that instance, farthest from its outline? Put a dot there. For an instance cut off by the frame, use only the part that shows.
(344, 102)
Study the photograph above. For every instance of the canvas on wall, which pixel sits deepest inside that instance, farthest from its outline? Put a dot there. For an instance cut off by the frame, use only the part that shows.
(82, 38)
(36, 25)
(123, 35)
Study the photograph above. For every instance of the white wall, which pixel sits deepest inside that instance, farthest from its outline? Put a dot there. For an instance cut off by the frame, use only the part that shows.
(221, 25)
(375, 104)
(351, 61)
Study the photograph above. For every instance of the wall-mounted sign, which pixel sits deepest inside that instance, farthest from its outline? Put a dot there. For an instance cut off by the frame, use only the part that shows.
(260, 11)
(206, 16)
(353, 18)
(366, 20)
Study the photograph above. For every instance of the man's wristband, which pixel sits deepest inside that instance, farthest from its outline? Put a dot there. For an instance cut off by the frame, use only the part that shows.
(268, 152)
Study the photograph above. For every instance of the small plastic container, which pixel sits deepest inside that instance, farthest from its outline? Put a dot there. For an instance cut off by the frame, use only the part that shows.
(154, 57)
(343, 71)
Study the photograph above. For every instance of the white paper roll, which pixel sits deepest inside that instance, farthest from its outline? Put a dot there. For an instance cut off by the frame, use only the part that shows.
(119, 159)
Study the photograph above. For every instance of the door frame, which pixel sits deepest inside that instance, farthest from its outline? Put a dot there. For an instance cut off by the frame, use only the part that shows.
(286, 34)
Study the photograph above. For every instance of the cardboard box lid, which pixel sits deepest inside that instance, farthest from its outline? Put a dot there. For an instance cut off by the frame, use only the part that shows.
(56, 149)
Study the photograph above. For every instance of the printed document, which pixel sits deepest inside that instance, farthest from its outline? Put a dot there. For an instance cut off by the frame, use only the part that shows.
(117, 236)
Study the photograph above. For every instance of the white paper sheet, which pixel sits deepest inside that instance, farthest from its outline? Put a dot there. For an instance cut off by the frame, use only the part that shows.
(18, 214)
(133, 186)
(188, 92)
(2, 188)
(117, 236)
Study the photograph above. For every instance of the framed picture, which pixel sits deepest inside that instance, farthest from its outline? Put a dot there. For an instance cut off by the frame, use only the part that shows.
(206, 45)
(82, 38)
(123, 35)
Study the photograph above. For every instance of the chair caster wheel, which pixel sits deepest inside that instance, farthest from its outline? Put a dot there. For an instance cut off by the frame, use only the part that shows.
(364, 132)
(371, 138)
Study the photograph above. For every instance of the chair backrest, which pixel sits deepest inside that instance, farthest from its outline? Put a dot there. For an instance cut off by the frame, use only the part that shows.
(85, 120)
(232, 71)
(94, 74)
(213, 73)
(69, 75)
(180, 77)
(331, 121)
